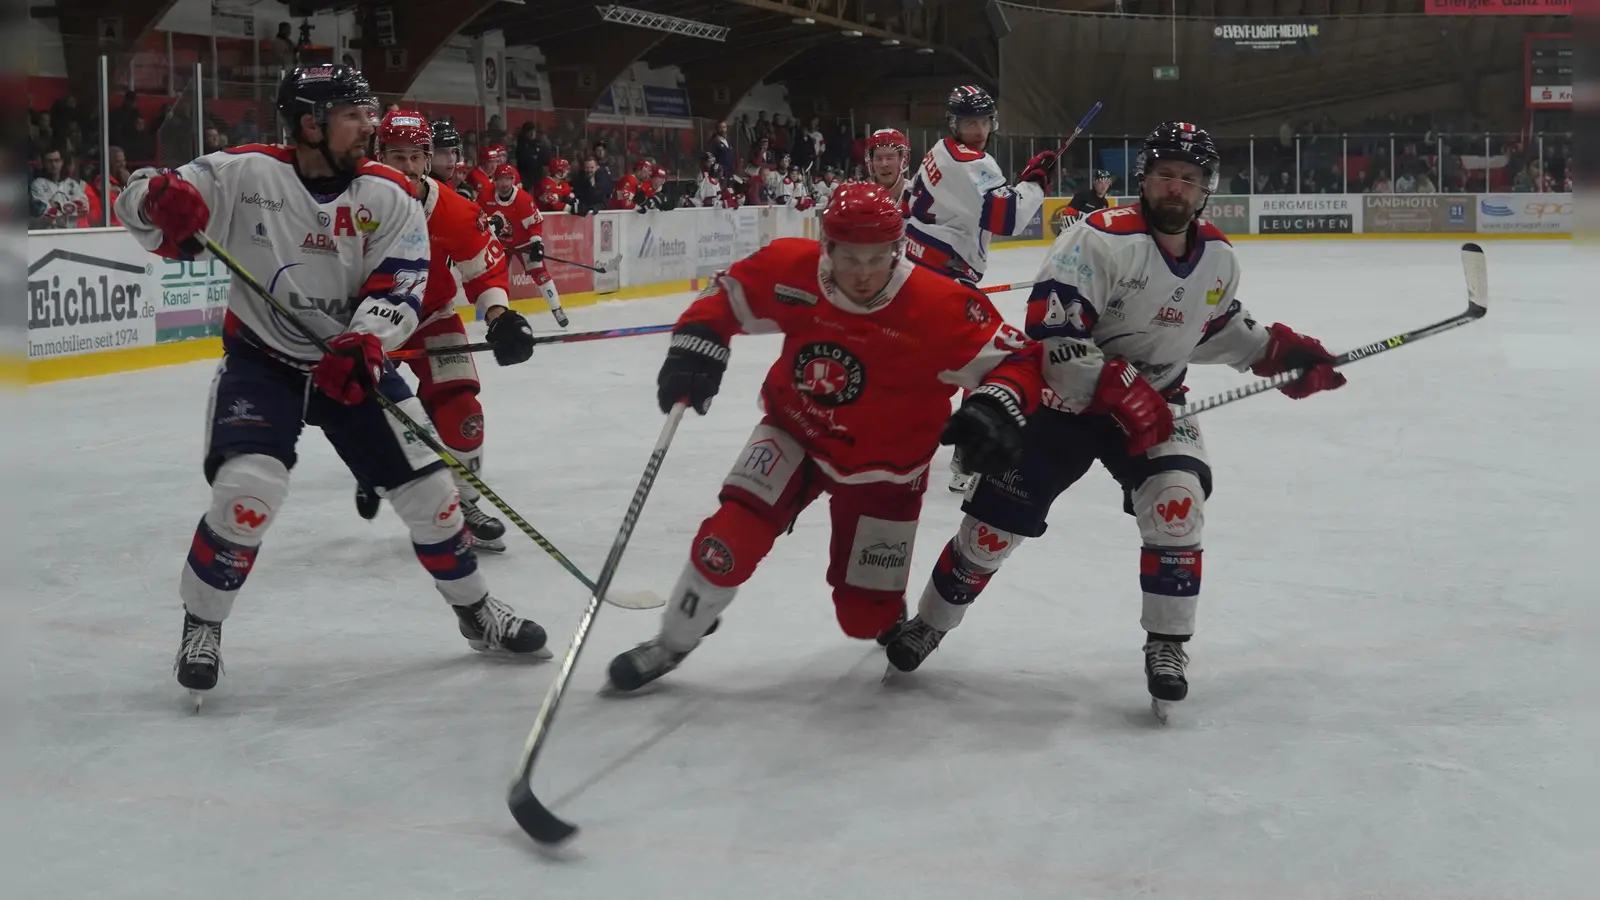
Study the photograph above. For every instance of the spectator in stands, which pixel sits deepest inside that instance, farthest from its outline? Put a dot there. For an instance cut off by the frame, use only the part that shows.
(214, 139)
(809, 146)
(140, 143)
(1529, 179)
(1405, 183)
(58, 199)
(720, 149)
(603, 176)
(1425, 185)
(1380, 182)
(1240, 182)
(1333, 183)
(247, 132)
(495, 131)
(122, 117)
(780, 135)
(532, 153)
(587, 192)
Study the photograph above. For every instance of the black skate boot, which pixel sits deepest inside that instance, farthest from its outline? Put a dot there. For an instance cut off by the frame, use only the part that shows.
(487, 531)
(199, 660)
(561, 316)
(915, 643)
(643, 664)
(491, 627)
(1164, 661)
(367, 501)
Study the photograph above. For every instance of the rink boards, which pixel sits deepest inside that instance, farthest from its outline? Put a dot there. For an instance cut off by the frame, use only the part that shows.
(98, 303)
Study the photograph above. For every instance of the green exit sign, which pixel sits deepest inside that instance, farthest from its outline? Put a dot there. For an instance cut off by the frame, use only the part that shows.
(1166, 73)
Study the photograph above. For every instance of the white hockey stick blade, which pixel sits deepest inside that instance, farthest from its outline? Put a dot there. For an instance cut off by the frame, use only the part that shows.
(635, 599)
(1476, 268)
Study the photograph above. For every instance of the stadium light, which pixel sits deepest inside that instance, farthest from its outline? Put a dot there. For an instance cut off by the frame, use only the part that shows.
(803, 20)
(851, 33)
(638, 18)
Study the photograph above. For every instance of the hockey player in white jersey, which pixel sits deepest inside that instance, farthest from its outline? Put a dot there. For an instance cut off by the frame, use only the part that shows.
(1126, 301)
(343, 242)
(888, 155)
(959, 196)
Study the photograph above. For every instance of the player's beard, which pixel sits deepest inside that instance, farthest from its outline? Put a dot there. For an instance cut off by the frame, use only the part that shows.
(1170, 215)
(350, 160)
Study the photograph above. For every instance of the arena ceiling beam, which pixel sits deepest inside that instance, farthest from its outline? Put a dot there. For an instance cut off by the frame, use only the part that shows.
(421, 30)
(83, 42)
(717, 84)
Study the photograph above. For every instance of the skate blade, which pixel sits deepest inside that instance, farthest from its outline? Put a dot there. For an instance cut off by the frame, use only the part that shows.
(541, 654)
(1161, 708)
(635, 599)
(488, 545)
(197, 699)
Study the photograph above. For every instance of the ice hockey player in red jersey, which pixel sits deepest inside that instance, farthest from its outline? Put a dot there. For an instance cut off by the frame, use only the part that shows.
(462, 248)
(358, 280)
(1126, 301)
(625, 193)
(855, 405)
(888, 155)
(652, 193)
(520, 228)
(481, 180)
(555, 194)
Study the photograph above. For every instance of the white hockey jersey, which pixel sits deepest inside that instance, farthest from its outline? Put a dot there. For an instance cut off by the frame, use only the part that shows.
(355, 261)
(959, 198)
(709, 193)
(1107, 291)
(822, 191)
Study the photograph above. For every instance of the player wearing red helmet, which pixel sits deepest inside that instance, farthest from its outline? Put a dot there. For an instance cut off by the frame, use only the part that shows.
(888, 155)
(555, 194)
(652, 193)
(519, 226)
(480, 181)
(464, 253)
(855, 406)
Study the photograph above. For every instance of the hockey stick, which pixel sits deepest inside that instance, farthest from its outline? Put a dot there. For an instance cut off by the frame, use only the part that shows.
(541, 824)
(642, 601)
(568, 262)
(1001, 288)
(1477, 273)
(542, 339)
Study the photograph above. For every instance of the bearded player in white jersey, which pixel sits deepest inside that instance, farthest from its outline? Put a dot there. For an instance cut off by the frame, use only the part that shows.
(343, 242)
(959, 199)
(1126, 301)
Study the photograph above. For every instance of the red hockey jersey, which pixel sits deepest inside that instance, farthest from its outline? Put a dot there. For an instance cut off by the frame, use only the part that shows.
(622, 193)
(459, 234)
(866, 392)
(554, 194)
(520, 214)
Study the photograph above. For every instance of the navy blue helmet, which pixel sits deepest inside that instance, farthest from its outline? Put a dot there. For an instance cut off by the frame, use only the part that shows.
(318, 90)
(1185, 142)
(970, 102)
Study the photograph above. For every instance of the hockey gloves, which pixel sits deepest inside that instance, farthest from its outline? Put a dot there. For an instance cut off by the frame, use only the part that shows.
(1134, 404)
(692, 372)
(176, 207)
(1041, 169)
(511, 338)
(986, 431)
(352, 366)
(1287, 350)
(535, 252)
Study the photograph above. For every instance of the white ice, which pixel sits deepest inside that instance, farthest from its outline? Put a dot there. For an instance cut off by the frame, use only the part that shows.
(1394, 646)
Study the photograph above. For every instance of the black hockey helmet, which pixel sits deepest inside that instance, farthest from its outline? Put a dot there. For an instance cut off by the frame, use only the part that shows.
(318, 90)
(1102, 175)
(970, 102)
(1184, 142)
(445, 136)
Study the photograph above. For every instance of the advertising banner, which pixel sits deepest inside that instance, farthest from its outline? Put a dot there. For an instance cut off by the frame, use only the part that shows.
(565, 236)
(1418, 214)
(1529, 213)
(1033, 231)
(1499, 7)
(666, 102)
(1264, 35)
(1303, 214)
(89, 291)
(610, 231)
(1231, 214)
(747, 232)
(192, 298)
(661, 247)
(714, 244)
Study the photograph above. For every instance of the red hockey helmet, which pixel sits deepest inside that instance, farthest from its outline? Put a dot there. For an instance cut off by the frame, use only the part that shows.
(888, 137)
(559, 167)
(644, 165)
(862, 213)
(405, 128)
(658, 173)
(506, 170)
(493, 154)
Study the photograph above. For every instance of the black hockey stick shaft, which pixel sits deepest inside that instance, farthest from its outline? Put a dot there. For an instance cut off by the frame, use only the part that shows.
(389, 406)
(1476, 268)
(541, 824)
(573, 338)
(568, 262)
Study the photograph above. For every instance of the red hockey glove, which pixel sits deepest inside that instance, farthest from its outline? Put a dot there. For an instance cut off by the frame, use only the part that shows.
(176, 207)
(805, 204)
(1287, 349)
(1134, 404)
(352, 366)
(1041, 169)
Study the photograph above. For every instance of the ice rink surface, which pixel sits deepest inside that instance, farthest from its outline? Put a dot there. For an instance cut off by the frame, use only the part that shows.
(1395, 650)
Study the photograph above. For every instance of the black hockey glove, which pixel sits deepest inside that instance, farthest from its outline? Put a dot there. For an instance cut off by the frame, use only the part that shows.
(692, 372)
(536, 253)
(511, 338)
(987, 431)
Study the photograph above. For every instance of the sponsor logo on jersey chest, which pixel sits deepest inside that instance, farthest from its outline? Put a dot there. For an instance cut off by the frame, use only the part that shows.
(793, 296)
(829, 374)
(1168, 317)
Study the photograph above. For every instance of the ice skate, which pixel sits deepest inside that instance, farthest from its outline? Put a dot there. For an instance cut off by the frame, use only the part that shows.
(492, 627)
(561, 316)
(890, 632)
(961, 480)
(643, 664)
(915, 643)
(199, 660)
(367, 501)
(487, 531)
(1164, 663)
